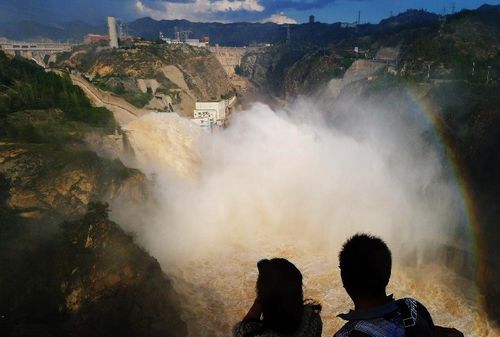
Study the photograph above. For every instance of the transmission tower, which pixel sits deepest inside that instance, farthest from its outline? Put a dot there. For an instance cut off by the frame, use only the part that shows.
(185, 35)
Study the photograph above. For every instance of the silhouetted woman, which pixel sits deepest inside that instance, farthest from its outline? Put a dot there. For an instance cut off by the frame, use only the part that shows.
(279, 308)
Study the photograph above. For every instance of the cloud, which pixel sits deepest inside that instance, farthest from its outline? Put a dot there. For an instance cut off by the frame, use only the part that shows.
(280, 19)
(279, 5)
(198, 10)
(226, 10)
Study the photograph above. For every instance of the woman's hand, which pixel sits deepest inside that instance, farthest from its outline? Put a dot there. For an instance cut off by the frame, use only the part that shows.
(255, 311)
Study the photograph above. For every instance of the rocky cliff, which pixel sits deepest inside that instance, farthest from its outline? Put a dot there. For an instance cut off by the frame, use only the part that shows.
(86, 276)
(49, 182)
(87, 279)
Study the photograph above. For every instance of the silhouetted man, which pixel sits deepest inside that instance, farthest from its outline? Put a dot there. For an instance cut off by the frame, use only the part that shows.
(365, 268)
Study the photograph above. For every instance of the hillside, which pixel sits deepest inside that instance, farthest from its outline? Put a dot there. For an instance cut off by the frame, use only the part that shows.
(158, 76)
(67, 279)
(411, 42)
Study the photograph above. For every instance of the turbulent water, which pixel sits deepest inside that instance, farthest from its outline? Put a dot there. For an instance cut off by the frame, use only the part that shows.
(278, 184)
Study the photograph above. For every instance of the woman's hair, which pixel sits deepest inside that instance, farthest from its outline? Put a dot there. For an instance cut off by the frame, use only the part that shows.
(279, 289)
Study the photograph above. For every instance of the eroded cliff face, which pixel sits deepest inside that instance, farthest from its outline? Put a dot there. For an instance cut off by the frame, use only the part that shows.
(66, 269)
(88, 279)
(114, 287)
(47, 182)
(287, 72)
(156, 76)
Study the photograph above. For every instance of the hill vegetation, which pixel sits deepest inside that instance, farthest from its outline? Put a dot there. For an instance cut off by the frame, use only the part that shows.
(38, 106)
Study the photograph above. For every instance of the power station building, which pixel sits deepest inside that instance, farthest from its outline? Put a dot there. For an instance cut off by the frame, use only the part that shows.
(211, 114)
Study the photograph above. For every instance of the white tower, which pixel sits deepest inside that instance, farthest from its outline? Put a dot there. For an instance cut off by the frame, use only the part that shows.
(113, 36)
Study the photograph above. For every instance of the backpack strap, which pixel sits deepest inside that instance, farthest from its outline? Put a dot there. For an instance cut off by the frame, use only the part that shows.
(417, 322)
(408, 309)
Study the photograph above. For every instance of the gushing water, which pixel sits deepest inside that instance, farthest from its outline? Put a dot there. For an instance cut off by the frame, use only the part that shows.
(278, 184)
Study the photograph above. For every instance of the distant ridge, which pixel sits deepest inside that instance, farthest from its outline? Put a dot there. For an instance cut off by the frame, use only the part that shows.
(239, 33)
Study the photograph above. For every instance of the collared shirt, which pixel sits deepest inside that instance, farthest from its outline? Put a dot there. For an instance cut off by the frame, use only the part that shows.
(386, 320)
(380, 321)
(371, 313)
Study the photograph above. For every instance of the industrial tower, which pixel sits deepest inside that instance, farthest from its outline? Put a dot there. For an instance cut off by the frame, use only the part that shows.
(113, 35)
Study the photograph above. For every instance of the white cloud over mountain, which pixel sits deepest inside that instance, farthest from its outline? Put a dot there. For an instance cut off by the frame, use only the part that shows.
(199, 10)
(280, 19)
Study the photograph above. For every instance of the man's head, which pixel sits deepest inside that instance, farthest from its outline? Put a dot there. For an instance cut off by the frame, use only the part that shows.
(365, 266)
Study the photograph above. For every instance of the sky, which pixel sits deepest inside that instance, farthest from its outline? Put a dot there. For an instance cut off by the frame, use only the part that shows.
(279, 11)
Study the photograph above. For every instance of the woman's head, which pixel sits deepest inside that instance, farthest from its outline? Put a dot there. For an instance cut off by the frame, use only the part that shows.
(279, 289)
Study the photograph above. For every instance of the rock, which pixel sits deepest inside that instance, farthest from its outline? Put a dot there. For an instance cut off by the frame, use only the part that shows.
(89, 279)
(59, 183)
(117, 286)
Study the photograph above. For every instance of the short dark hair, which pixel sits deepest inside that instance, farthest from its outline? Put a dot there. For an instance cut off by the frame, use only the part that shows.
(279, 289)
(365, 265)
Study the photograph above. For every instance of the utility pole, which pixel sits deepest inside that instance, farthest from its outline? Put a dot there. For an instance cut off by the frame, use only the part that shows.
(359, 17)
(453, 8)
(473, 68)
(288, 35)
(428, 64)
(488, 75)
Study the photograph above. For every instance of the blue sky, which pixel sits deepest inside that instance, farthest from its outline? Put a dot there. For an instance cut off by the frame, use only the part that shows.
(280, 11)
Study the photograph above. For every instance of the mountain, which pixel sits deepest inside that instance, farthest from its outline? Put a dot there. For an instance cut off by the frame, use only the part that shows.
(227, 34)
(30, 30)
(411, 17)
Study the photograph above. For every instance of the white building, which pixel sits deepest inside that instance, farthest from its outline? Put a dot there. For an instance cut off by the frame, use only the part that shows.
(178, 40)
(211, 114)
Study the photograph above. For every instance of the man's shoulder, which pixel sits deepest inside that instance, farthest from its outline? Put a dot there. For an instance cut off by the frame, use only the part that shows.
(377, 327)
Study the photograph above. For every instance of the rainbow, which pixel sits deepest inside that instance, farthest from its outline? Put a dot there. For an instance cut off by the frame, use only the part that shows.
(429, 111)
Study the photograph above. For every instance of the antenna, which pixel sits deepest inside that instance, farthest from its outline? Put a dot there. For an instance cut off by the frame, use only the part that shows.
(359, 17)
(453, 8)
(177, 36)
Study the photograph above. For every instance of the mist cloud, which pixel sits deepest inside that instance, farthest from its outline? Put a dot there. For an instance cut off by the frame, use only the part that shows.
(294, 183)
(292, 174)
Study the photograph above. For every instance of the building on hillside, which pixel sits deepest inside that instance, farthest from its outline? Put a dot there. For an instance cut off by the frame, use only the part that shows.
(182, 39)
(348, 24)
(311, 19)
(93, 38)
(213, 114)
